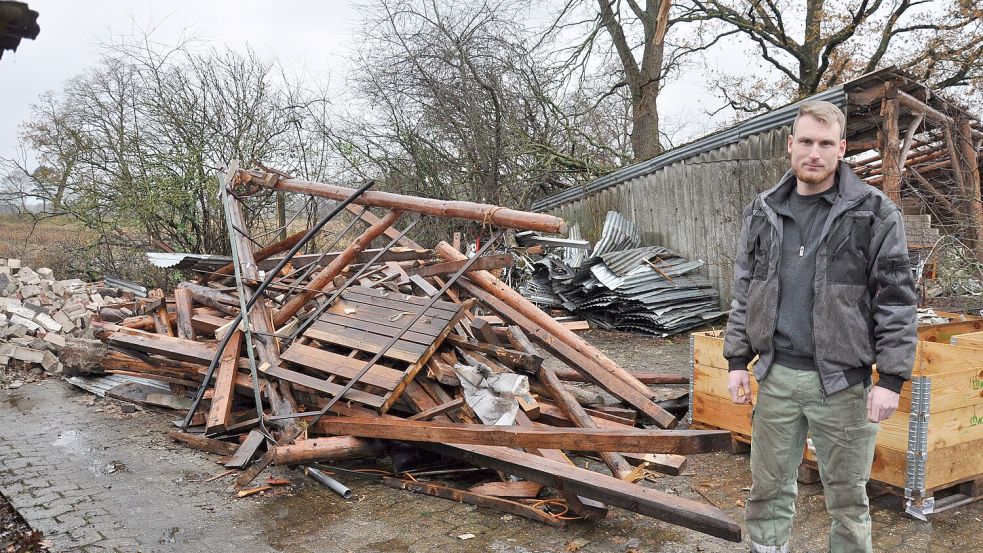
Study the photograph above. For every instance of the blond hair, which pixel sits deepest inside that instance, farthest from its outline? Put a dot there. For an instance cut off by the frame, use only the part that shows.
(823, 111)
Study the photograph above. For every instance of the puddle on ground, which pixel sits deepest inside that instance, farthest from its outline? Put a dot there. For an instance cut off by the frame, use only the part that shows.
(22, 403)
(290, 519)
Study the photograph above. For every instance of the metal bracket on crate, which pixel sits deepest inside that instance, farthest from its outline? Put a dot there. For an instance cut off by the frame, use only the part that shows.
(917, 504)
(692, 377)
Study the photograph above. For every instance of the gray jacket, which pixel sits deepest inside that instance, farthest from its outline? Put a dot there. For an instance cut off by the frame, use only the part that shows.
(864, 308)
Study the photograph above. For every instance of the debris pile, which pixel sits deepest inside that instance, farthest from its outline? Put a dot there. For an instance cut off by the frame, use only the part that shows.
(388, 353)
(621, 286)
(39, 314)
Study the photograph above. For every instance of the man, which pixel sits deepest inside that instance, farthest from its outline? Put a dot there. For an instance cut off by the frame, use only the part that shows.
(822, 290)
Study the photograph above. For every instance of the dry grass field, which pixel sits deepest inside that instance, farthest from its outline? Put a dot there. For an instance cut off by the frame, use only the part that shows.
(53, 243)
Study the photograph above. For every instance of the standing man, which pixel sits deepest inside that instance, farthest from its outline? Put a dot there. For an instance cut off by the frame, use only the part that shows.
(822, 291)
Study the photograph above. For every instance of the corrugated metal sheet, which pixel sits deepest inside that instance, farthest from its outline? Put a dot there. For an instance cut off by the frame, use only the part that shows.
(618, 234)
(187, 261)
(621, 262)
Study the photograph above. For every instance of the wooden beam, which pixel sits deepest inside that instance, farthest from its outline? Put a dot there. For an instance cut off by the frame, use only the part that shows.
(573, 410)
(487, 262)
(202, 443)
(528, 362)
(649, 378)
(681, 442)
(259, 317)
(184, 305)
(211, 297)
(326, 450)
(260, 255)
(482, 213)
(223, 393)
(324, 278)
(646, 501)
(891, 146)
(572, 357)
(597, 361)
(441, 409)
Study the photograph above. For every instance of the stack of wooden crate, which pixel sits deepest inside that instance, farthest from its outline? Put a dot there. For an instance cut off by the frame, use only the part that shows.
(930, 450)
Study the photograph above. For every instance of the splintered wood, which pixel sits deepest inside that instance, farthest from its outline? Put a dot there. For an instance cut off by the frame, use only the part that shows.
(355, 356)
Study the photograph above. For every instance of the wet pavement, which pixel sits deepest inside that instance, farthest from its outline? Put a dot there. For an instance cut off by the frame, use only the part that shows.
(93, 479)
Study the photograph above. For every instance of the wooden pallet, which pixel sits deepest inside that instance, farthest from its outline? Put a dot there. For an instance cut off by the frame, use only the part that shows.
(353, 330)
(933, 443)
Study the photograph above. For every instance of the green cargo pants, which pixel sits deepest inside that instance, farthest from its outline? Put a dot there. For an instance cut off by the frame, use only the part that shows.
(790, 405)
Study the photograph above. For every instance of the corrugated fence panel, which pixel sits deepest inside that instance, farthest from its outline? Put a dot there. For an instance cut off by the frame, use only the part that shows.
(693, 206)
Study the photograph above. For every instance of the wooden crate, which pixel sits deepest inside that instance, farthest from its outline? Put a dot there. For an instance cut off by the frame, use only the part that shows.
(931, 446)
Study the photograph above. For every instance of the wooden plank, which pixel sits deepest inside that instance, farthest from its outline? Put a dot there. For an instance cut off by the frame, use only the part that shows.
(330, 319)
(932, 358)
(246, 451)
(722, 413)
(184, 305)
(485, 262)
(513, 358)
(573, 358)
(554, 416)
(520, 489)
(649, 378)
(364, 341)
(666, 463)
(393, 300)
(943, 467)
(942, 333)
(165, 346)
(224, 389)
(364, 398)
(207, 323)
(590, 439)
(418, 365)
(430, 324)
(970, 340)
(441, 409)
(202, 443)
(340, 365)
(646, 501)
(487, 501)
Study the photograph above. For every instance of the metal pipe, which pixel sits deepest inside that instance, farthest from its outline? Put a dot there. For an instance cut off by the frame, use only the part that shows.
(329, 482)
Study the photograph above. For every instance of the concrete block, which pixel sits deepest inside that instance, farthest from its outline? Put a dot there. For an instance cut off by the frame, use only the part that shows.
(46, 273)
(55, 339)
(29, 355)
(14, 264)
(4, 302)
(30, 325)
(50, 363)
(47, 322)
(22, 311)
(66, 323)
(30, 291)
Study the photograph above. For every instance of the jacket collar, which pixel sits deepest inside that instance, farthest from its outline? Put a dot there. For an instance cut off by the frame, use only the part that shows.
(852, 191)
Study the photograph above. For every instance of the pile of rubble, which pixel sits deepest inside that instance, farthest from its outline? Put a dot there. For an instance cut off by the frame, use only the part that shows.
(388, 353)
(38, 314)
(622, 286)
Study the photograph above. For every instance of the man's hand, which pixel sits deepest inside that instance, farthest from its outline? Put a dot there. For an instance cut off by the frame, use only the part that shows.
(881, 404)
(739, 384)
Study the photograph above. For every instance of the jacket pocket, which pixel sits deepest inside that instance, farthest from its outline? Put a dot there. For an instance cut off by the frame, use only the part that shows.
(849, 249)
(758, 247)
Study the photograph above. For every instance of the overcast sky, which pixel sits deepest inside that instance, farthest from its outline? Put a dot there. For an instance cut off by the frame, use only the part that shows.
(309, 36)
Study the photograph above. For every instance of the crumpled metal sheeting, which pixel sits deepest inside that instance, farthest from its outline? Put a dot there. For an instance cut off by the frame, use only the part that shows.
(621, 262)
(617, 234)
(574, 257)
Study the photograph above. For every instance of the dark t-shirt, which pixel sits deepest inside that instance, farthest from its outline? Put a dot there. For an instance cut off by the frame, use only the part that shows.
(804, 217)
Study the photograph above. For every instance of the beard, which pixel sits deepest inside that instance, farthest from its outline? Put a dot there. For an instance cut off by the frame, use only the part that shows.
(812, 177)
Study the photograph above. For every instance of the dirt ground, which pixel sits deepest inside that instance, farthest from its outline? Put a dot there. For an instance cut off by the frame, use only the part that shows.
(94, 479)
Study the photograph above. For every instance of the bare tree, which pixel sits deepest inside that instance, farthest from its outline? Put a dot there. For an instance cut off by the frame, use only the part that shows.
(129, 148)
(822, 43)
(454, 101)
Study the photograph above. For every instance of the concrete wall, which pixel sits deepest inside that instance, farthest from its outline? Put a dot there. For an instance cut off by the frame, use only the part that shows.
(694, 206)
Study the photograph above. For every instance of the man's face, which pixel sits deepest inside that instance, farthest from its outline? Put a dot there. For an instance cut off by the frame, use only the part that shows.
(814, 150)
